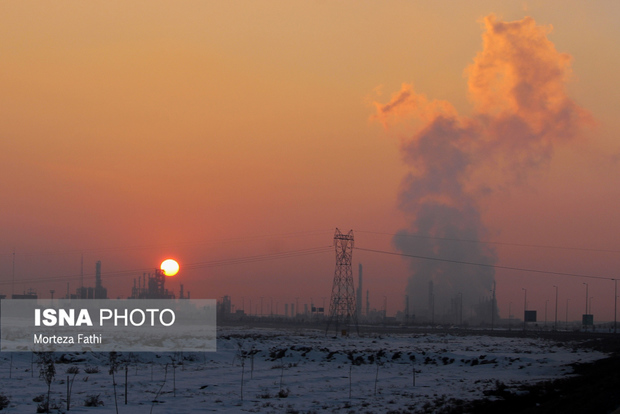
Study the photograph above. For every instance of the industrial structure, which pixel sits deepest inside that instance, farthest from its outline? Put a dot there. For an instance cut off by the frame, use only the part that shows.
(152, 286)
(342, 309)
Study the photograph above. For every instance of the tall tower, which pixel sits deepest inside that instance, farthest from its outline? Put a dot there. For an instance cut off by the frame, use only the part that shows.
(342, 306)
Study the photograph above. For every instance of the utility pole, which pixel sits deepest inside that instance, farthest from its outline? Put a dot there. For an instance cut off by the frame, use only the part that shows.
(13, 274)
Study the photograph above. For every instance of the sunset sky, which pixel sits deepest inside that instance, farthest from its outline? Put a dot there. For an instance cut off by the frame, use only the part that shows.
(131, 132)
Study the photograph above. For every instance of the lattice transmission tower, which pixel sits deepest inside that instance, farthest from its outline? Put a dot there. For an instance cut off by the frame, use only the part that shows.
(343, 302)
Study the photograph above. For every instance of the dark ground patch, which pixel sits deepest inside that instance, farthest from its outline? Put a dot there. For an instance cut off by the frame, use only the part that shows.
(595, 389)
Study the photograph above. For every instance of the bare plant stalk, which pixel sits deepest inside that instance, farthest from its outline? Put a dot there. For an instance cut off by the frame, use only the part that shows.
(376, 377)
(252, 367)
(72, 370)
(126, 372)
(160, 388)
(350, 371)
(113, 367)
(242, 374)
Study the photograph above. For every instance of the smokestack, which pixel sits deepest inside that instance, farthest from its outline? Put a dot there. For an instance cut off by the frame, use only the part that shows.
(98, 274)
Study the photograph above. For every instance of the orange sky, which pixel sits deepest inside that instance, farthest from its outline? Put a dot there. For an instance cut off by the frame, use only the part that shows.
(130, 132)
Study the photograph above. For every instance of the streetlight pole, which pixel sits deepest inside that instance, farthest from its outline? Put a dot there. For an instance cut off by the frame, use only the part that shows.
(510, 316)
(384, 309)
(546, 301)
(590, 312)
(567, 313)
(555, 324)
(586, 312)
(493, 308)
(461, 309)
(524, 306)
(615, 302)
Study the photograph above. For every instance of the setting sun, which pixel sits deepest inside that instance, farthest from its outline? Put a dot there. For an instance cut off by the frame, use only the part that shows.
(170, 267)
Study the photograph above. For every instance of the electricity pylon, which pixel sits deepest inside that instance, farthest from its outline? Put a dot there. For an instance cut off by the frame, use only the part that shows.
(342, 306)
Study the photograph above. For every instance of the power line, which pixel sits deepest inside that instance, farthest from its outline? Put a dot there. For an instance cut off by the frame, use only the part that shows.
(537, 246)
(171, 245)
(252, 259)
(198, 265)
(520, 269)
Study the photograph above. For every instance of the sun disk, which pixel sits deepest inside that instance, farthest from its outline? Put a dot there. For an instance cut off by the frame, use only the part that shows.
(170, 267)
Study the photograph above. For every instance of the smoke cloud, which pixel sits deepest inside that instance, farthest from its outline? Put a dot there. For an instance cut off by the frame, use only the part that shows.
(517, 86)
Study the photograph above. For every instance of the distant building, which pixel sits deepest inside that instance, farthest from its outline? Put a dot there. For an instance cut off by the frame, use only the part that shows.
(31, 294)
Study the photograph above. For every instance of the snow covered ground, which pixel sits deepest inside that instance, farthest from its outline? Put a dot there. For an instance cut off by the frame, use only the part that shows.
(279, 371)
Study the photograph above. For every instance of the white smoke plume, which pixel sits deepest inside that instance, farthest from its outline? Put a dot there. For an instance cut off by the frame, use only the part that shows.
(517, 86)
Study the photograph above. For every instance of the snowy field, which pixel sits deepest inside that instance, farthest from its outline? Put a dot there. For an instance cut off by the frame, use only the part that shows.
(266, 371)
